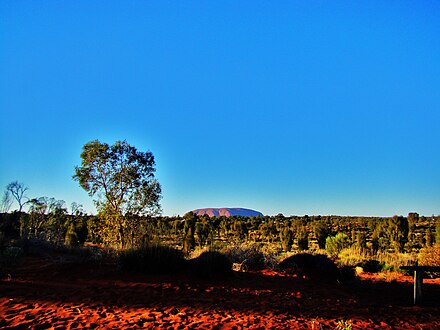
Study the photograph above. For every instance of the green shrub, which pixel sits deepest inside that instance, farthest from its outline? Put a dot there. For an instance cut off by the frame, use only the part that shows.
(211, 264)
(152, 259)
(335, 244)
(71, 239)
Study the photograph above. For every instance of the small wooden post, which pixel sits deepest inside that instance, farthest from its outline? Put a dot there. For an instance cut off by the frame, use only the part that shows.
(418, 281)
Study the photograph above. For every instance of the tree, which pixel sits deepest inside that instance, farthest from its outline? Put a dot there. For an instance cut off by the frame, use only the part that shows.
(429, 238)
(286, 237)
(6, 202)
(17, 190)
(189, 242)
(46, 219)
(321, 232)
(303, 238)
(397, 231)
(121, 179)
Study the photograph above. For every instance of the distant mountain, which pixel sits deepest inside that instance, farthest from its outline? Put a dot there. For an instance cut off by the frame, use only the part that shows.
(227, 212)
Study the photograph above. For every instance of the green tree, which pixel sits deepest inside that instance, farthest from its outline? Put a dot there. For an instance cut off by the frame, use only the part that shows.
(429, 238)
(286, 236)
(189, 229)
(240, 229)
(413, 218)
(203, 231)
(321, 232)
(397, 231)
(361, 240)
(121, 179)
(46, 219)
(303, 238)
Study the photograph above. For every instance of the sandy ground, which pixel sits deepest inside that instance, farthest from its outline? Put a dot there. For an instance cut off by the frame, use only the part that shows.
(42, 295)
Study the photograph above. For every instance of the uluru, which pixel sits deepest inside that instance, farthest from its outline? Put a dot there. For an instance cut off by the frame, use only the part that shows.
(227, 212)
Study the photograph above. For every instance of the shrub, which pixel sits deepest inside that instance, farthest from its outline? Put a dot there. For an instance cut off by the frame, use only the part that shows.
(351, 256)
(252, 257)
(346, 273)
(335, 244)
(9, 258)
(371, 266)
(430, 256)
(393, 261)
(154, 259)
(317, 265)
(211, 264)
(71, 239)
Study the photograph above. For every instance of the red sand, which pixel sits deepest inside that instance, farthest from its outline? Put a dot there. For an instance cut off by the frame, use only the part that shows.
(41, 295)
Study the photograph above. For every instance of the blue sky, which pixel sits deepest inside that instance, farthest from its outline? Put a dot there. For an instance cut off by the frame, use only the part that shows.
(298, 107)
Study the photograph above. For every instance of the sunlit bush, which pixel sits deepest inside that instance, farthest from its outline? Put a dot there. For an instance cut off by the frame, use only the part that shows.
(430, 256)
(351, 256)
(393, 261)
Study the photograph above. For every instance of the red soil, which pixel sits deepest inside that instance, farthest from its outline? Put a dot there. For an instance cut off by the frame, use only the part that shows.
(44, 295)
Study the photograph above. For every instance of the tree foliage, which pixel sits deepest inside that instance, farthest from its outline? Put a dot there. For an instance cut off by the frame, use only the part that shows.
(121, 180)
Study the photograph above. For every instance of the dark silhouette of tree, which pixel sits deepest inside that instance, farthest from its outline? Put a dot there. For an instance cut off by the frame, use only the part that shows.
(17, 190)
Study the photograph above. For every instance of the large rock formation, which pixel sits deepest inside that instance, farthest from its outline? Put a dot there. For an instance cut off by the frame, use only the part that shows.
(227, 212)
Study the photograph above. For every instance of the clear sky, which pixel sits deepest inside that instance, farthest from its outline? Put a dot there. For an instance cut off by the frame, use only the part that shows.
(293, 107)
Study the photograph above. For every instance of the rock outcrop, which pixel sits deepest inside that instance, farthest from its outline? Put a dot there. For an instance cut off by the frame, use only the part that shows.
(227, 212)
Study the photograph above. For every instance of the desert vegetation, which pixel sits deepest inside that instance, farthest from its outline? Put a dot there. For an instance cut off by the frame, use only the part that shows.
(259, 242)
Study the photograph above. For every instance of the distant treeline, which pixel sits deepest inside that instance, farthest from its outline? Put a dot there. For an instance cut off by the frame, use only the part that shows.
(48, 220)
